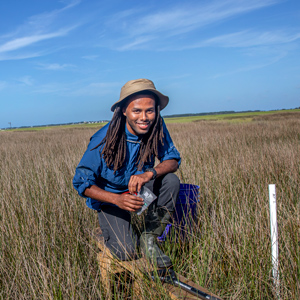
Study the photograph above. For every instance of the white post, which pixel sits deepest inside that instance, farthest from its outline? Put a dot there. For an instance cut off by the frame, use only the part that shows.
(274, 236)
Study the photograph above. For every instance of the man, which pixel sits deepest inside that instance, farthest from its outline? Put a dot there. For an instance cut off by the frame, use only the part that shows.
(120, 160)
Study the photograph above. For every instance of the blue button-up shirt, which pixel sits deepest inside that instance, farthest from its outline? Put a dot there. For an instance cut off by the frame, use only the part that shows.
(92, 169)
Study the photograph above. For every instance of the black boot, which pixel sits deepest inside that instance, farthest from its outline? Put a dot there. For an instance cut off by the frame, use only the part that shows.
(155, 223)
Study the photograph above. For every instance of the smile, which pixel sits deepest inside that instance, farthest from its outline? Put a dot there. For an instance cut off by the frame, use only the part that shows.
(143, 125)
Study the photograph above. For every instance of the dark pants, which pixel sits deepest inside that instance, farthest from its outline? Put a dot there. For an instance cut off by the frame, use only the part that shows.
(115, 223)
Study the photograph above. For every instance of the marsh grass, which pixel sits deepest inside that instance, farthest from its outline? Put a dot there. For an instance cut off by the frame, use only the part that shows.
(45, 252)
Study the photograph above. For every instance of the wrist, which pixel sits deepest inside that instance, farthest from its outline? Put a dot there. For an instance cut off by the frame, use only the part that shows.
(114, 199)
(153, 171)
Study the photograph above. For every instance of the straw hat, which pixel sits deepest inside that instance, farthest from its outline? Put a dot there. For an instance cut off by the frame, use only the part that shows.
(138, 85)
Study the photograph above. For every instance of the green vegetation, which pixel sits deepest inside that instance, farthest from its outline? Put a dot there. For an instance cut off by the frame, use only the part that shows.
(233, 117)
(45, 252)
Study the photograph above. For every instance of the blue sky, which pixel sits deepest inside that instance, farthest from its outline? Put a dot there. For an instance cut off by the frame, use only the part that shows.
(65, 61)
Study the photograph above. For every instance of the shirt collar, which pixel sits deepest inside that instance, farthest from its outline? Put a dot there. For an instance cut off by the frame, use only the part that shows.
(130, 136)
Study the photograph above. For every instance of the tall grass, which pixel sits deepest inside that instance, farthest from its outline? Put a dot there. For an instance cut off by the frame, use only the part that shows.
(45, 252)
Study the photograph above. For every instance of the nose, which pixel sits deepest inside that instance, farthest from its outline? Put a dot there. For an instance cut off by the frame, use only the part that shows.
(143, 116)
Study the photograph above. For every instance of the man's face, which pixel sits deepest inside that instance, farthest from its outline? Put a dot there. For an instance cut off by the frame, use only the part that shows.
(140, 114)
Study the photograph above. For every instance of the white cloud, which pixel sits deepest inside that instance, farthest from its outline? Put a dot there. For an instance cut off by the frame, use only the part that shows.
(10, 56)
(179, 20)
(55, 66)
(36, 29)
(29, 40)
(26, 80)
(140, 41)
(250, 39)
(42, 22)
(70, 3)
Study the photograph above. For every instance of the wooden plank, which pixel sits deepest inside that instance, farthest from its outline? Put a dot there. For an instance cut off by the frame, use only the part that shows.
(138, 269)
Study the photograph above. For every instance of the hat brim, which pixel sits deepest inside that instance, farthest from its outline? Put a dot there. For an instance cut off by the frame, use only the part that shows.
(163, 100)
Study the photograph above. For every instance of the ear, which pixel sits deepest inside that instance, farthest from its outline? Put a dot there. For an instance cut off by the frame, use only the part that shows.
(124, 111)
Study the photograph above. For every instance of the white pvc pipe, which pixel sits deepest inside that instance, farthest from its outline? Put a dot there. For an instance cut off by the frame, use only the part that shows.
(274, 236)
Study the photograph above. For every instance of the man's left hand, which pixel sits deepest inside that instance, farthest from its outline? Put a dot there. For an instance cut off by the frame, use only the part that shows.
(137, 181)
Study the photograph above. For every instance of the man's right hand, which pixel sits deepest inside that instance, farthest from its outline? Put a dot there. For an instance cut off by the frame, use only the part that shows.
(129, 202)
(126, 201)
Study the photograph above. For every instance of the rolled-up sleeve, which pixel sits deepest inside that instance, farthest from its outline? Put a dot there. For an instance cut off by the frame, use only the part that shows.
(88, 170)
(168, 150)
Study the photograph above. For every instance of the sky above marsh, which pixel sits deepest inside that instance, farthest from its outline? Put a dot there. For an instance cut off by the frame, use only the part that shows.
(66, 61)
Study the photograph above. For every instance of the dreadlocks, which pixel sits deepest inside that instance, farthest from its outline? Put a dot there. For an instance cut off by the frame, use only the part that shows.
(114, 150)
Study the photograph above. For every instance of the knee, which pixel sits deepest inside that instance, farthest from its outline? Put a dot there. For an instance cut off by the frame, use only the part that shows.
(122, 252)
(170, 191)
(172, 182)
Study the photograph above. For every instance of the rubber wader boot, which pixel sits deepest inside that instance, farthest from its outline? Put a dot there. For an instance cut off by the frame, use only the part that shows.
(155, 223)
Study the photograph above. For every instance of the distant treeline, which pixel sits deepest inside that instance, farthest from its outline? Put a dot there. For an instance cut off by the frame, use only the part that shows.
(167, 116)
(60, 124)
(210, 113)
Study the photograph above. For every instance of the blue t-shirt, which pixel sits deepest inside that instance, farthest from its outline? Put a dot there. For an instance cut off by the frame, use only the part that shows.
(92, 169)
